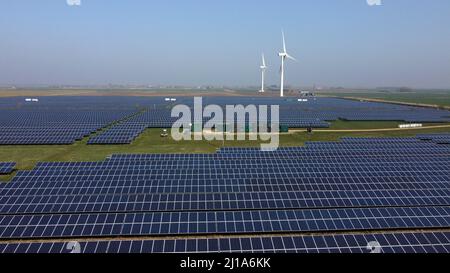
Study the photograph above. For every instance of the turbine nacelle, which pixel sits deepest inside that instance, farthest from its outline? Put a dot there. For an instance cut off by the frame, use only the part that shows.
(285, 55)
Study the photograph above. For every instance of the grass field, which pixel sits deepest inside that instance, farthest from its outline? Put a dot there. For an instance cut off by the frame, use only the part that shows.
(432, 97)
(355, 125)
(150, 142)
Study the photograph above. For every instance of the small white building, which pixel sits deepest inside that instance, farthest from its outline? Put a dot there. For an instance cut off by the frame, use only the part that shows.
(413, 125)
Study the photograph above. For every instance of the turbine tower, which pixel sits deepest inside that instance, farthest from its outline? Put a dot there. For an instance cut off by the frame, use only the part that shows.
(263, 72)
(283, 56)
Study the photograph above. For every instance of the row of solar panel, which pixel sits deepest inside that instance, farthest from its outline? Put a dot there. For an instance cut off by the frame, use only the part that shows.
(231, 177)
(221, 222)
(146, 187)
(336, 156)
(44, 167)
(173, 166)
(126, 185)
(429, 242)
(243, 160)
(363, 145)
(221, 201)
(381, 139)
(346, 147)
(351, 147)
(415, 139)
(190, 167)
(355, 142)
(170, 186)
(222, 180)
(27, 133)
(329, 161)
(196, 179)
(331, 156)
(289, 171)
(387, 150)
(253, 164)
(39, 141)
(301, 153)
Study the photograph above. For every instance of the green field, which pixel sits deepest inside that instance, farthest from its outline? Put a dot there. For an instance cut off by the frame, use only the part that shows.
(362, 125)
(432, 97)
(150, 142)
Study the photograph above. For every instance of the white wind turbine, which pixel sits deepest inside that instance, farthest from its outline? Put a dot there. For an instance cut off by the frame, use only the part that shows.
(263, 72)
(283, 56)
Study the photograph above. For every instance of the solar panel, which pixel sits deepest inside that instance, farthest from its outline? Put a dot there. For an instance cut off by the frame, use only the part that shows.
(221, 222)
(428, 242)
(221, 201)
(126, 186)
(7, 167)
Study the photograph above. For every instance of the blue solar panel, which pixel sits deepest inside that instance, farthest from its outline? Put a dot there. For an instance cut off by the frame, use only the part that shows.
(430, 242)
(222, 222)
(7, 167)
(221, 201)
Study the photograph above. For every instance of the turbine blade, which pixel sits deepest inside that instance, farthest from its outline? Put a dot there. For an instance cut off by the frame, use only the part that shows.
(292, 58)
(284, 42)
(263, 60)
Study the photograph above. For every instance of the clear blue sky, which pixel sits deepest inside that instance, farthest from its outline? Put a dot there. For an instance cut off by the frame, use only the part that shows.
(194, 42)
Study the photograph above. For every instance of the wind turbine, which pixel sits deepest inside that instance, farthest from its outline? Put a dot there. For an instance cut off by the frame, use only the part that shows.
(263, 72)
(283, 56)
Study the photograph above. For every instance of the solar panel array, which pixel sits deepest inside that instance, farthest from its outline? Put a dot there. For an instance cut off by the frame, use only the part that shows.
(64, 120)
(120, 134)
(315, 113)
(56, 120)
(341, 188)
(7, 167)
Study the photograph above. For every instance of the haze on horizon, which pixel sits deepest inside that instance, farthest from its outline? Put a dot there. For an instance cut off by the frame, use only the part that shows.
(200, 42)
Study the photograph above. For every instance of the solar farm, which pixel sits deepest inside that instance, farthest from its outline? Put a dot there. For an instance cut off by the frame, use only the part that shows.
(353, 195)
(64, 120)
